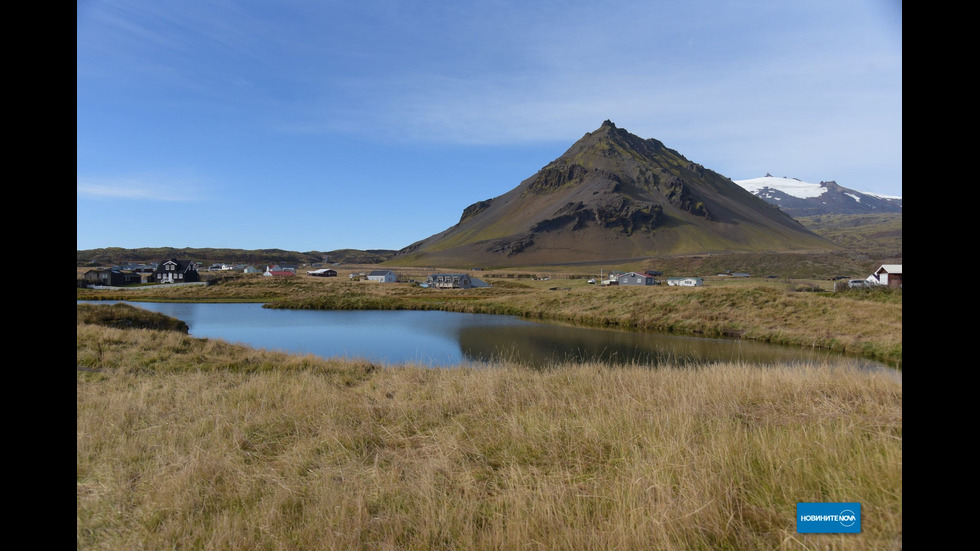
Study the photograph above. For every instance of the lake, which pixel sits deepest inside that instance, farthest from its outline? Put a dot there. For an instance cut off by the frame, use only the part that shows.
(445, 339)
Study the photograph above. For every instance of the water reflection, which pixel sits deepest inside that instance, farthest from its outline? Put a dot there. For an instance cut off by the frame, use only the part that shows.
(550, 343)
(443, 339)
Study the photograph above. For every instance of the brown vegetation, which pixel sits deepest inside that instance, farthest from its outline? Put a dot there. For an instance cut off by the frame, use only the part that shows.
(185, 443)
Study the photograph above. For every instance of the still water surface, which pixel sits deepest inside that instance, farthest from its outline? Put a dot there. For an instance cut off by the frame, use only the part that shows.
(445, 339)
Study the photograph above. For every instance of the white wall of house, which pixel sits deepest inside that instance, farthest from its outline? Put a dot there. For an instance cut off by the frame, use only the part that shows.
(387, 277)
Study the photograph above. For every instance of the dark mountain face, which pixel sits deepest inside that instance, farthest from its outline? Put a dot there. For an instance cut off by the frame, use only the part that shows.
(612, 195)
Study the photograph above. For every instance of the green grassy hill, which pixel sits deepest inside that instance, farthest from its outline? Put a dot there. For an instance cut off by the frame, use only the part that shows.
(862, 232)
(111, 256)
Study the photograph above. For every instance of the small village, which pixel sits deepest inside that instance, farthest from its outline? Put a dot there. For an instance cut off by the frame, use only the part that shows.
(176, 271)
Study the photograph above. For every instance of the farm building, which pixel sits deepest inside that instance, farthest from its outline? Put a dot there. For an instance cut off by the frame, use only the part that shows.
(888, 274)
(382, 276)
(176, 271)
(685, 281)
(323, 272)
(633, 278)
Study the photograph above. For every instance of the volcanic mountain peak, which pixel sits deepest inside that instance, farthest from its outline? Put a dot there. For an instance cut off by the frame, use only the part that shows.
(612, 195)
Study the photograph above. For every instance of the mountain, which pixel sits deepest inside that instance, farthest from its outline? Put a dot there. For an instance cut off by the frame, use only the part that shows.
(612, 195)
(798, 198)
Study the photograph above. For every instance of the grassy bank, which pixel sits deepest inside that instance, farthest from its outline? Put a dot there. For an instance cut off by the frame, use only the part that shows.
(865, 323)
(185, 443)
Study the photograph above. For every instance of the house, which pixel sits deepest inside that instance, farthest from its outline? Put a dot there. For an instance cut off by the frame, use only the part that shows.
(251, 270)
(138, 268)
(685, 281)
(111, 277)
(633, 278)
(454, 281)
(383, 276)
(93, 277)
(888, 274)
(323, 272)
(176, 271)
(276, 271)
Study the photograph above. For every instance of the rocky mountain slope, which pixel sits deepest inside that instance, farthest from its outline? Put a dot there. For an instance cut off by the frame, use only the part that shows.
(612, 195)
(798, 198)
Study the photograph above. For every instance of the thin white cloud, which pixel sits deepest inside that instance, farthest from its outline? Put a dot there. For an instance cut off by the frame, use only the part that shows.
(138, 190)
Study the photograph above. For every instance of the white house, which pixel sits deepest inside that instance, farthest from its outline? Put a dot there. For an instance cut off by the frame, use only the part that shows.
(383, 276)
(685, 281)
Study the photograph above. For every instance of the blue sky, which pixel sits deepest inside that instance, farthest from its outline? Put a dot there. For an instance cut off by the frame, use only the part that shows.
(320, 125)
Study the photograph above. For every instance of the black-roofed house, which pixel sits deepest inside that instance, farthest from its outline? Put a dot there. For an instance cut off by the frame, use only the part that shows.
(111, 277)
(176, 271)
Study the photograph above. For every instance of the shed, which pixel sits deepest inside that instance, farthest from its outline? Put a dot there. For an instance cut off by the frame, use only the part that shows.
(323, 272)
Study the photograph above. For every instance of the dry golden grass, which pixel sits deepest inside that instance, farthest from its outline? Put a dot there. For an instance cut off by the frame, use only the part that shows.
(184, 443)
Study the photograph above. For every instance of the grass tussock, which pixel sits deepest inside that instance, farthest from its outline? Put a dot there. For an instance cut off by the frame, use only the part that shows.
(198, 444)
(125, 316)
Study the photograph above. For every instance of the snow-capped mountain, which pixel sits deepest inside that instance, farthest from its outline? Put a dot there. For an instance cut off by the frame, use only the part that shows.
(798, 198)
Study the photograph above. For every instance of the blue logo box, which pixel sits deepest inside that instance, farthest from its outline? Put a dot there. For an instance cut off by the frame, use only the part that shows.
(828, 518)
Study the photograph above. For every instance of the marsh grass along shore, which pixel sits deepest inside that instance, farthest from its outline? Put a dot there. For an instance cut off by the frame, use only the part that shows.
(867, 323)
(198, 444)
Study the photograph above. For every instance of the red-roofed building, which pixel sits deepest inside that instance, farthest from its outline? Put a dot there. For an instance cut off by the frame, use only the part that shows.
(275, 271)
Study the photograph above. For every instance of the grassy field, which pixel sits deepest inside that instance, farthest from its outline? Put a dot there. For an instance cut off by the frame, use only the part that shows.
(185, 443)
